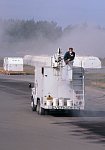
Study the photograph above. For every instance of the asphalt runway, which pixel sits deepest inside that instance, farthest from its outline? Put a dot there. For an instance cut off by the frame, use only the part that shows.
(22, 129)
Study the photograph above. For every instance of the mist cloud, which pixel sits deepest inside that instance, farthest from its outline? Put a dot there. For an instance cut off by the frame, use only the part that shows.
(85, 39)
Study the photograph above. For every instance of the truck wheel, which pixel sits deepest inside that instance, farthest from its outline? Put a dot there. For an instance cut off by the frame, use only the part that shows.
(33, 105)
(40, 110)
(37, 107)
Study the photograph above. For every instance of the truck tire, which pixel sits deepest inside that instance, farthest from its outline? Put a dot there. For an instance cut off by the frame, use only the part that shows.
(33, 105)
(39, 109)
(42, 111)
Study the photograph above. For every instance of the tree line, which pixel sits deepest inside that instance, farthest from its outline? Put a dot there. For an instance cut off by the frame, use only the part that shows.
(17, 30)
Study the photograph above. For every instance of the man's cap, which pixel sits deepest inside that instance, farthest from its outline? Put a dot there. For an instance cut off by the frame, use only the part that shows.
(70, 48)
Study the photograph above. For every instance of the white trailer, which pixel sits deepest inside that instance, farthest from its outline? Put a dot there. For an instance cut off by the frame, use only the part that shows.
(13, 64)
(87, 62)
(58, 86)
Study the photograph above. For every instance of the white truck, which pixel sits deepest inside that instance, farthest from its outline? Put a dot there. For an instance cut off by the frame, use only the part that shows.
(58, 86)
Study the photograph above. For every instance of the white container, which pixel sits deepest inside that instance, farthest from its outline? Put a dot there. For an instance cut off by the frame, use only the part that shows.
(49, 102)
(61, 102)
(69, 103)
(13, 64)
(55, 101)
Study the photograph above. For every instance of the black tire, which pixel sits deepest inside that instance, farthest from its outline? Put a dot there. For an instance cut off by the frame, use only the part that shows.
(37, 108)
(40, 110)
(33, 105)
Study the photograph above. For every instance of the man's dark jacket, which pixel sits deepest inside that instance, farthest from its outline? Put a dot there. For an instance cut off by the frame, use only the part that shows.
(69, 56)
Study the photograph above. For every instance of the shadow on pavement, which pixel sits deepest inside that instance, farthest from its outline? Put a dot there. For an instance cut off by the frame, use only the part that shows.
(78, 113)
(86, 124)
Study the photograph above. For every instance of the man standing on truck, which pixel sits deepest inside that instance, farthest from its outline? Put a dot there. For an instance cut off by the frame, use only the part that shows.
(69, 56)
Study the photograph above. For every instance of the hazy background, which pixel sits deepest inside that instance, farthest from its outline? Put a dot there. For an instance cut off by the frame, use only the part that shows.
(67, 23)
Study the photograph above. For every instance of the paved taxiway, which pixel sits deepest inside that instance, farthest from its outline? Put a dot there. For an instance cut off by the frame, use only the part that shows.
(22, 129)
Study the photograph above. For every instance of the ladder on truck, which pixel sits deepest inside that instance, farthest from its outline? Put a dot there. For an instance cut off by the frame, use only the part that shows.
(78, 87)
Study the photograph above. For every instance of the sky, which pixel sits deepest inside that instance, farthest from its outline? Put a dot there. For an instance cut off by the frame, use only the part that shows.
(86, 41)
(64, 12)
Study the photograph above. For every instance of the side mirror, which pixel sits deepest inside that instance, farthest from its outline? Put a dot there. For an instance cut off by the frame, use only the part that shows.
(30, 86)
